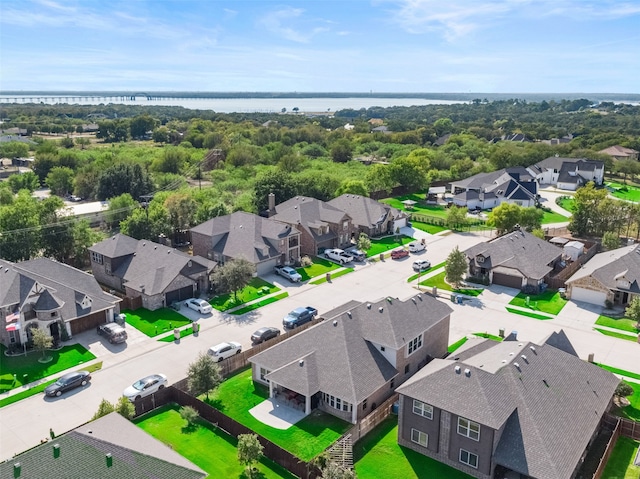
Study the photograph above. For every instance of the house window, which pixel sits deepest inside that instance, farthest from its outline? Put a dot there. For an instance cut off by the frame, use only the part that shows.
(480, 258)
(53, 314)
(419, 437)
(415, 344)
(382, 348)
(407, 368)
(422, 409)
(263, 373)
(392, 383)
(364, 405)
(337, 403)
(96, 257)
(345, 225)
(469, 458)
(469, 429)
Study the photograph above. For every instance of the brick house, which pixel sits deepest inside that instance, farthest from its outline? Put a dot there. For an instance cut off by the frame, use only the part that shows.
(370, 216)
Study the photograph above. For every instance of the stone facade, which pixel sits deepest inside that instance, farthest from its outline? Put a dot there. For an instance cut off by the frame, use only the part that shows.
(590, 283)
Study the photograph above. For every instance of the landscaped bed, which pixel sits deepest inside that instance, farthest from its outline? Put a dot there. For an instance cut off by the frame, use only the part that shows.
(153, 323)
(319, 267)
(632, 411)
(305, 439)
(620, 463)
(27, 368)
(438, 280)
(623, 324)
(378, 455)
(208, 447)
(548, 302)
(257, 288)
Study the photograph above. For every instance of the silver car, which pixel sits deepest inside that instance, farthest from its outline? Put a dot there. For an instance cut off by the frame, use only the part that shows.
(145, 387)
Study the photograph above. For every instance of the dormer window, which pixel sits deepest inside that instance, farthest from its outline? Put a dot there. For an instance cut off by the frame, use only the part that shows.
(480, 258)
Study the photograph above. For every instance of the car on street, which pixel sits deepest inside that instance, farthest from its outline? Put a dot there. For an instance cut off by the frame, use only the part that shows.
(417, 246)
(68, 381)
(145, 386)
(199, 305)
(264, 334)
(299, 316)
(225, 350)
(399, 253)
(114, 332)
(357, 254)
(421, 265)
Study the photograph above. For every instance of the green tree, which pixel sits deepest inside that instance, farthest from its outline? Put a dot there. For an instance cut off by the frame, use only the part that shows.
(124, 178)
(341, 150)
(633, 311)
(443, 126)
(335, 471)
(249, 452)
(19, 228)
(67, 142)
(456, 217)
(353, 187)
(119, 209)
(412, 172)
(140, 125)
(60, 180)
(41, 340)
(190, 415)
(24, 181)
(586, 217)
(104, 408)
(125, 408)
(505, 217)
(172, 160)
(378, 179)
(273, 181)
(624, 390)
(83, 142)
(147, 223)
(83, 238)
(364, 243)
(181, 209)
(456, 267)
(233, 276)
(13, 149)
(203, 375)
(531, 218)
(610, 240)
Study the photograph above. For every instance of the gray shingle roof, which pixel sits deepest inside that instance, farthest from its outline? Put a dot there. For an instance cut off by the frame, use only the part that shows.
(486, 180)
(519, 250)
(617, 263)
(309, 213)
(365, 211)
(550, 402)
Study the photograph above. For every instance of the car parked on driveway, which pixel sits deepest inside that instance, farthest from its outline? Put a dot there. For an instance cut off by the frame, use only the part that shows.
(421, 265)
(68, 381)
(113, 332)
(199, 305)
(399, 253)
(264, 334)
(338, 255)
(145, 386)
(224, 350)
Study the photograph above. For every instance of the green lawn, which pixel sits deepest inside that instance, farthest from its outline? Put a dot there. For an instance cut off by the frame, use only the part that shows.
(624, 192)
(382, 245)
(208, 447)
(620, 372)
(337, 274)
(306, 439)
(623, 324)
(457, 344)
(548, 302)
(169, 338)
(378, 455)
(567, 203)
(319, 267)
(553, 217)
(433, 268)
(620, 463)
(153, 323)
(438, 280)
(627, 337)
(632, 411)
(39, 388)
(492, 337)
(419, 208)
(27, 368)
(427, 228)
(261, 303)
(254, 290)
(528, 314)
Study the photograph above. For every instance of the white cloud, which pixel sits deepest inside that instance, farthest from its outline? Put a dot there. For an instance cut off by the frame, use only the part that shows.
(281, 23)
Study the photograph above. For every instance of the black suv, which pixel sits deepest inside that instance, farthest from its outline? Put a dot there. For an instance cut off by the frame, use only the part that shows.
(113, 332)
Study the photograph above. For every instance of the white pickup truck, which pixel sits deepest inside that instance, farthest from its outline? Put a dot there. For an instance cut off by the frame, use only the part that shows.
(289, 273)
(338, 255)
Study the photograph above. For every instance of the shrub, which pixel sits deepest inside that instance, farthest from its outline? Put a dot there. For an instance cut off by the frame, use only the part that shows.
(305, 261)
(189, 414)
(624, 390)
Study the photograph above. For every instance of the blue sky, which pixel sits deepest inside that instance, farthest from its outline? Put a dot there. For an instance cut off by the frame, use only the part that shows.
(493, 46)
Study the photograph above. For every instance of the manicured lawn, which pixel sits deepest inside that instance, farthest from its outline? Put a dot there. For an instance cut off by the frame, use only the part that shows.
(631, 194)
(337, 274)
(319, 267)
(623, 324)
(427, 228)
(553, 217)
(27, 368)
(548, 302)
(627, 337)
(433, 268)
(568, 203)
(382, 245)
(620, 372)
(419, 208)
(632, 411)
(457, 344)
(169, 338)
(208, 447)
(378, 455)
(40, 387)
(153, 323)
(306, 439)
(620, 463)
(528, 314)
(259, 304)
(254, 290)
(492, 337)
(438, 280)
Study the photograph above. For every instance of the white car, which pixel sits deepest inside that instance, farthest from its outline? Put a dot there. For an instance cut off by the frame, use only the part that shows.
(199, 305)
(416, 247)
(421, 265)
(145, 386)
(224, 350)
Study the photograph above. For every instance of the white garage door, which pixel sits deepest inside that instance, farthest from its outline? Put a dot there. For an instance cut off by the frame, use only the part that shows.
(401, 223)
(588, 296)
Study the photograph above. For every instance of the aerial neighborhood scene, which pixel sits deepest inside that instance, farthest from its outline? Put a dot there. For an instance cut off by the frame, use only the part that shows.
(236, 243)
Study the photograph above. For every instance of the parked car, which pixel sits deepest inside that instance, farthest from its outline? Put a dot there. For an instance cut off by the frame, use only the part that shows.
(299, 316)
(417, 246)
(145, 387)
(199, 305)
(289, 273)
(399, 253)
(357, 254)
(225, 350)
(114, 332)
(68, 381)
(264, 334)
(421, 265)
(338, 255)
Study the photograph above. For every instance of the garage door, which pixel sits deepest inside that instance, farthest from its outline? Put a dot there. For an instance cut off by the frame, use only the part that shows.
(401, 223)
(507, 280)
(588, 296)
(179, 295)
(88, 322)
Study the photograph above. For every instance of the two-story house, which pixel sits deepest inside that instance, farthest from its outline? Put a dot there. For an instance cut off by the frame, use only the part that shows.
(265, 242)
(621, 153)
(513, 409)
(55, 297)
(354, 359)
(568, 173)
(370, 216)
(155, 273)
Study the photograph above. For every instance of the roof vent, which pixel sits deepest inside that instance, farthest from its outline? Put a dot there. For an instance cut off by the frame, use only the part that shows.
(504, 361)
(335, 322)
(381, 309)
(457, 369)
(414, 300)
(349, 313)
(519, 345)
(467, 372)
(420, 297)
(109, 459)
(155, 247)
(16, 469)
(516, 365)
(144, 243)
(524, 358)
(510, 354)
(368, 305)
(301, 362)
(390, 300)
(56, 450)
(533, 348)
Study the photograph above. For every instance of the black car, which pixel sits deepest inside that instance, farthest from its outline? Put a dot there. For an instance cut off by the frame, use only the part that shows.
(264, 334)
(68, 381)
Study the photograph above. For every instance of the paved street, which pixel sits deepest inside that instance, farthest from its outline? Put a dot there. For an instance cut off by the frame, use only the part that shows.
(25, 423)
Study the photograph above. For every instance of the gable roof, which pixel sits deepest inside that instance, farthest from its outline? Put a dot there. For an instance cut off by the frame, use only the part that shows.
(339, 356)
(246, 235)
(518, 250)
(617, 150)
(487, 181)
(82, 454)
(608, 266)
(549, 402)
(364, 211)
(572, 164)
(309, 214)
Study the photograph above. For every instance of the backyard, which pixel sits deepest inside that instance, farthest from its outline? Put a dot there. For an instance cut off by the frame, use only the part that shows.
(548, 302)
(153, 323)
(16, 371)
(257, 288)
(199, 442)
(620, 464)
(378, 455)
(305, 439)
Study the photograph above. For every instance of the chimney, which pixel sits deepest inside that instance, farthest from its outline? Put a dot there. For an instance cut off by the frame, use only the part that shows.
(272, 203)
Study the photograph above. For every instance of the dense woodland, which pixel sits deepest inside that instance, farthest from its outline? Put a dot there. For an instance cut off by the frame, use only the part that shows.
(199, 164)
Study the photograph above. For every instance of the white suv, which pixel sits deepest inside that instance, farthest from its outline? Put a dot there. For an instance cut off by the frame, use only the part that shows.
(416, 247)
(224, 350)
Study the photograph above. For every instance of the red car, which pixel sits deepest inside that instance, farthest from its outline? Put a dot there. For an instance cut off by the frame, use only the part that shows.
(399, 253)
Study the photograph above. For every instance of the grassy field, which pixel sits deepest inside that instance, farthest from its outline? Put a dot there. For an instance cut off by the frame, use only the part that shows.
(306, 439)
(623, 324)
(548, 302)
(28, 369)
(382, 245)
(528, 314)
(492, 337)
(457, 344)
(624, 192)
(613, 334)
(553, 217)
(257, 288)
(319, 267)
(208, 447)
(620, 464)
(153, 323)
(378, 455)
(438, 280)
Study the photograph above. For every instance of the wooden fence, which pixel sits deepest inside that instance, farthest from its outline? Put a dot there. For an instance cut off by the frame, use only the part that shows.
(366, 425)
(559, 280)
(628, 428)
(608, 450)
